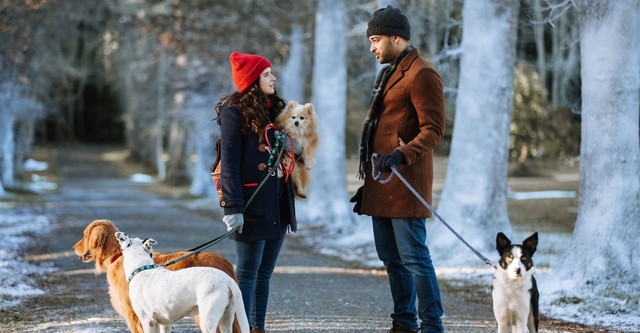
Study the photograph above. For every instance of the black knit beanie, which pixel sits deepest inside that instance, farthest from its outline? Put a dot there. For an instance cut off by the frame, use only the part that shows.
(389, 21)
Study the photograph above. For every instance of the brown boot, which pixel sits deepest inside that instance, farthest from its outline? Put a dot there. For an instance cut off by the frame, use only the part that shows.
(258, 330)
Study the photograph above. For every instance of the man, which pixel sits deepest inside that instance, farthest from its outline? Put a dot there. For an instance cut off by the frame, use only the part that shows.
(404, 124)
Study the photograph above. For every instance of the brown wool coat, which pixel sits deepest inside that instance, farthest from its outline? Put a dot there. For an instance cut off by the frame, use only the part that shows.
(411, 122)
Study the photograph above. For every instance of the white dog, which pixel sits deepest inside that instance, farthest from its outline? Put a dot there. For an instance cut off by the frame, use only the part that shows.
(515, 291)
(160, 297)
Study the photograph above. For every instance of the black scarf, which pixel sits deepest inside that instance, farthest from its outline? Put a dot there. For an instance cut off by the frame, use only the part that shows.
(371, 122)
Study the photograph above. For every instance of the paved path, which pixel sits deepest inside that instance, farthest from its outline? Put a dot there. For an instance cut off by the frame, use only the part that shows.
(310, 292)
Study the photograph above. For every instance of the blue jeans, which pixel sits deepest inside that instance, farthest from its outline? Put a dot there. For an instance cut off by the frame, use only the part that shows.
(401, 245)
(256, 261)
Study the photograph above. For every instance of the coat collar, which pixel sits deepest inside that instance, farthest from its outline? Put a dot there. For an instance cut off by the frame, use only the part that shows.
(403, 66)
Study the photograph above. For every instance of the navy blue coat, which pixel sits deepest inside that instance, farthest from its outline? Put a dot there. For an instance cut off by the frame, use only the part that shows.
(244, 158)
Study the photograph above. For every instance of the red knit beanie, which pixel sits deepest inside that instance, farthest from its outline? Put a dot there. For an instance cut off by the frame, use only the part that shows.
(246, 68)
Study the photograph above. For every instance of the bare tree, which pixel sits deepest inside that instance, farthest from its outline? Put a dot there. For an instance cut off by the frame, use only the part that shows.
(328, 200)
(565, 56)
(293, 77)
(608, 225)
(474, 196)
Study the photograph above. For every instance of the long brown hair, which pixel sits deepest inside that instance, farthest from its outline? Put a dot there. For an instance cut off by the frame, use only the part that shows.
(257, 109)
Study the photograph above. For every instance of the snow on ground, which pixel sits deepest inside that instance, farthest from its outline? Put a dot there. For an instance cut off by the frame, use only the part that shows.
(18, 229)
(574, 301)
(615, 307)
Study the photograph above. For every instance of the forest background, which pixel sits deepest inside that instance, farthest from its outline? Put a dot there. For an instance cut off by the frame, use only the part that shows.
(146, 74)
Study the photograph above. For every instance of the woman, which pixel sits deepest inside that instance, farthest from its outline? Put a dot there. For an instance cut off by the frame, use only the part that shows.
(247, 137)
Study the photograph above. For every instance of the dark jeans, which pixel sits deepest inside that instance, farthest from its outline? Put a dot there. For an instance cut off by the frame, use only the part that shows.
(401, 245)
(255, 263)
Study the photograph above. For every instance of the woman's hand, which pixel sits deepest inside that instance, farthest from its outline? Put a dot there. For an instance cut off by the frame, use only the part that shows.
(234, 221)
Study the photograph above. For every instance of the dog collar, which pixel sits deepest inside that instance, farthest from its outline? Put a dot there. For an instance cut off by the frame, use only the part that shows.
(140, 269)
(114, 258)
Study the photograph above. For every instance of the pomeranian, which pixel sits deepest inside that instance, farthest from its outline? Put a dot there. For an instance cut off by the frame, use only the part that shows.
(300, 123)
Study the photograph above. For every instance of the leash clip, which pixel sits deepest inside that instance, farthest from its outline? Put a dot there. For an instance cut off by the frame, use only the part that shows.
(376, 174)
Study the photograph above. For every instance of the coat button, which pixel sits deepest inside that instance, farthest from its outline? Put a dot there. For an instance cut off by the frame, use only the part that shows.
(223, 203)
(262, 166)
(262, 148)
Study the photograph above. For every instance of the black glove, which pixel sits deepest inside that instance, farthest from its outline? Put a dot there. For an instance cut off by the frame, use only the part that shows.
(357, 198)
(386, 161)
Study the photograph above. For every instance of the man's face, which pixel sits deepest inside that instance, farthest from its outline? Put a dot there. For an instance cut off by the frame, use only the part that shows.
(383, 47)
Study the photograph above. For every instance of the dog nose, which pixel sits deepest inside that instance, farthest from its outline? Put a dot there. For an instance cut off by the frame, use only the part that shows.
(518, 271)
(296, 123)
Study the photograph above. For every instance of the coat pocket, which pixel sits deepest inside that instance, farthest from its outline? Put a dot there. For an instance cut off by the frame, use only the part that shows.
(394, 141)
(253, 208)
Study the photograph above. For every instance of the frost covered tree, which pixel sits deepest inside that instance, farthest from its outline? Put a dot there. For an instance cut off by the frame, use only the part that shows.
(608, 224)
(474, 197)
(328, 201)
(18, 113)
(293, 77)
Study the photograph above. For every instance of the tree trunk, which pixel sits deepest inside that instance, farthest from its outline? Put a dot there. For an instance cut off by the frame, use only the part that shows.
(474, 197)
(538, 31)
(328, 200)
(7, 146)
(608, 224)
(293, 75)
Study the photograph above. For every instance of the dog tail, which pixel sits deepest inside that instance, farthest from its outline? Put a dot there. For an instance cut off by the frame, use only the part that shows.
(238, 307)
(535, 296)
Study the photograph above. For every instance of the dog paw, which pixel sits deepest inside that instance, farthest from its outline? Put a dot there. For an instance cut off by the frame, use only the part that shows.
(301, 193)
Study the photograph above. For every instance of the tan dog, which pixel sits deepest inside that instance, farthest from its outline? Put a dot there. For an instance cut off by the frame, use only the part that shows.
(300, 122)
(99, 244)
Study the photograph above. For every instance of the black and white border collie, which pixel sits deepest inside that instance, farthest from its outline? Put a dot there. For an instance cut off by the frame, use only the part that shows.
(515, 292)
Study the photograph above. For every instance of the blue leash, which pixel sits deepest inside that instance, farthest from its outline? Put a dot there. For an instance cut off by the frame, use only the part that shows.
(376, 174)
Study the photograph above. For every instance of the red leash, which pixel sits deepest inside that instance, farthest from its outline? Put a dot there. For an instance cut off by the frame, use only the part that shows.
(286, 164)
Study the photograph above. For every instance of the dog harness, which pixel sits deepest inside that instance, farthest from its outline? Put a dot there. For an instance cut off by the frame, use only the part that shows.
(140, 269)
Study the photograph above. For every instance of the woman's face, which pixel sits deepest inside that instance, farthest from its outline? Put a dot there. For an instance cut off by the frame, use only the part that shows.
(267, 82)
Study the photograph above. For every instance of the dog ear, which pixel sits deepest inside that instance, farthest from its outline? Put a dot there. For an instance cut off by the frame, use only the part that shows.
(291, 105)
(502, 242)
(98, 237)
(148, 244)
(121, 236)
(308, 107)
(123, 239)
(531, 243)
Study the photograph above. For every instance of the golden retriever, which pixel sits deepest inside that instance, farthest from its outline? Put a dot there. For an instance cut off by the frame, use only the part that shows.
(99, 244)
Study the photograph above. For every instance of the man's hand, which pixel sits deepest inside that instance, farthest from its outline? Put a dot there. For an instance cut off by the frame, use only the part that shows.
(357, 198)
(386, 161)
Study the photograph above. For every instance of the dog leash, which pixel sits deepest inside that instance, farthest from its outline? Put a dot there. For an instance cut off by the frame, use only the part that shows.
(271, 172)
(376, 174)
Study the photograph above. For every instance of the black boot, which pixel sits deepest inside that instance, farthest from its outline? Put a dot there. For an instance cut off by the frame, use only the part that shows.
(395, 328)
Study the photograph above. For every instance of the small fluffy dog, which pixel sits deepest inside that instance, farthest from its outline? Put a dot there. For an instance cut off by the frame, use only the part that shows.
(515, 292)
(160, 296)
(99, 244)
(300, 122)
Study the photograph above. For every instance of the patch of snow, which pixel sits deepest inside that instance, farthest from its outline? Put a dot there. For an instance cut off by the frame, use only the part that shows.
(31, 165)
(18, 231)
(40, 184)
(540, 195)
(142, 178)
(615, 307)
